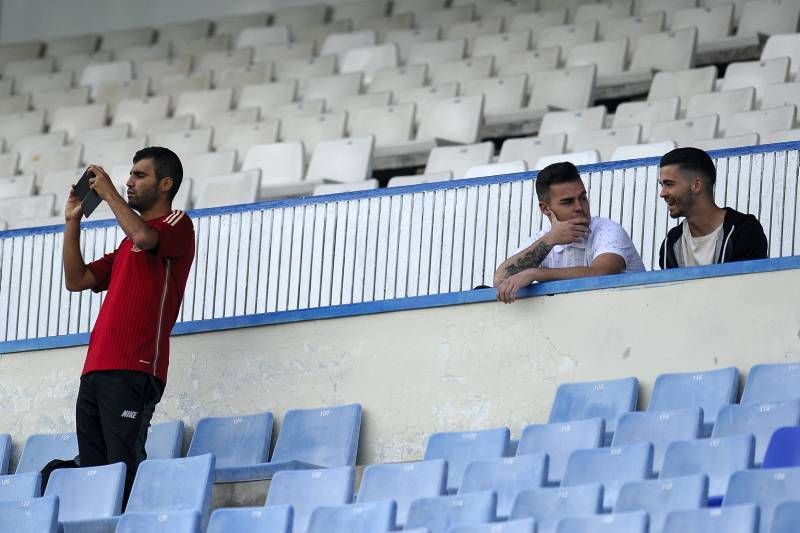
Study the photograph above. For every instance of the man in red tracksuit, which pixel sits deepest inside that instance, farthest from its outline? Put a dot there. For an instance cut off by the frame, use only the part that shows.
(126, 365)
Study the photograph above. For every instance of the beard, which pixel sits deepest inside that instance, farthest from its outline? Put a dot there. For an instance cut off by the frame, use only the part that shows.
(143, 201)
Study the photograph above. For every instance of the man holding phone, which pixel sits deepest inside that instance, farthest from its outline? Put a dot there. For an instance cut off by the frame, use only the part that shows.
(125, 371)
(577, 245)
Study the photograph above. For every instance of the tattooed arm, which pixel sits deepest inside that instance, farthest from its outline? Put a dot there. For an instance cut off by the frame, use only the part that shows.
(530, 257)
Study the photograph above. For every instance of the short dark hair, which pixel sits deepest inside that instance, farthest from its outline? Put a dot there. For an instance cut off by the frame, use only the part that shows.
(165, 163)
(563, 172)
(692, 160)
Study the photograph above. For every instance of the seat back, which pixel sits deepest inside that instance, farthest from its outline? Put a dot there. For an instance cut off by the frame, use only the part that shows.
(661, 496)
(558, 440)
(37, 515)
(459, 448)
(507, 476)
(20, 486)
(659, 428)
(786, 517)
(234, 440)
(526, 525)
(441, 513)
(733, 519)
(5, 452)
(373, 517)
(759, 419)
(771, 383)
(635, 522)
(43, 448)
(72, 485)
(548, 506)
(171, 522)
(783, 449)
(272, 519)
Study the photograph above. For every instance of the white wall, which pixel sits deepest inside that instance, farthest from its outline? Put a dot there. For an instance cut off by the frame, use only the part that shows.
(457, 367)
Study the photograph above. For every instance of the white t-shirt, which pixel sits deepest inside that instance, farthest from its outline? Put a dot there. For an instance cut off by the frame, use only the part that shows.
(699, 250)
(605, 236)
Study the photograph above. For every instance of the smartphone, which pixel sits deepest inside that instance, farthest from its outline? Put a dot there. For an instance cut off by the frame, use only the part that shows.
(89, 198)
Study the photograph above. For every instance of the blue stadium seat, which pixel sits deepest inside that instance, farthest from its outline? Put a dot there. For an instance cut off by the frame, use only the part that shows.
(459, 448)
(659, 428)
(403, 483)
(5, 453)
(173, 485)
(20, 486)
(164, 440)
(595, 399)
(765, 488)
(771, 383)
(717, 458)
(783, 449)
(39, 515)
(709, 390)
(41, 449)
(305, 490)
(559, 440)
(548, 506)
(759, 419)
(786, 517)
(372, 517)
(661, 496)
(273, 519)
(635, 522)
(443, 512)
(734, 519)
(507, 476)
(610, 466)
(526, 525)
(73, 485)
(173, 522)
(237, 442)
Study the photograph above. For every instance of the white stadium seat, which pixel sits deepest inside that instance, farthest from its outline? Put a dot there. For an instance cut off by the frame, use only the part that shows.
(338, 188)
(342, 160)
(458, 159)
(641, 151)
(531, 149)
(763, 121)
(313, 129)
(685, 131)
(723, 103)
(230, 189)
(605, 141)
(571, 122)
(576, 158)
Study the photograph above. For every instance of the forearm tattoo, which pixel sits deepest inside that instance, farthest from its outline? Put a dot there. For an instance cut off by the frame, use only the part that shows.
(531, 259)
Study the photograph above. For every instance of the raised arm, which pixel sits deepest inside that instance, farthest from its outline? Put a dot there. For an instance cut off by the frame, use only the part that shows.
(77, 276)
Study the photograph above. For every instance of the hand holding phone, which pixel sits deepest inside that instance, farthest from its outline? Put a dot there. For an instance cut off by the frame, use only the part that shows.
(89, 199)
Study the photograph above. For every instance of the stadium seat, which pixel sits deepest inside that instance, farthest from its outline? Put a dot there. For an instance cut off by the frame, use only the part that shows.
(587, 157)
(646, 114)
(19, 69)
(406, 38)
(354, 518)
(658, 428)
(118, 39)
(398, 78)
(558, 440)
(423, 94)
(339, 44)
(14, 187)
(360, 9)
(632, 28)
(609, 56)
(184, 31)
(766, 488)
(685, 131)
(142, 53)
(761, 420)
(370, 59)
(20, 51)
(568, 88)
(603, 11)
(164, 440)
(435, 52)
(528, 62)
(566, 36)
(455, 120)
(42, 448)
(333, 87)
(732, 519)
(718, 458)
(535, 22)
(175, 84)
(507, 476)
(71, 485)
(109, 153)
(135, 111)
(783, 136)
(723, 103)
(418, 7)
(383, 25)
(526, 525)
(154, 68)
(278, 53)
(37, 515)
(195, 48)
(710, 390)
(31, 146)
(785, 45)
(5, 438)
(16, 104)
(255, 37)
(683, 84)
(183, 142)
(227, 118)
(635, 522)
(501, 44)
(281, 165)
(462, 70)
(639, 151)
(51, 100)
(241, 137)
(418, 179)
(300, 15)
(313, 129)
(496, 169)
(610, 466)
(18, 125)
(771, 383)
(605, 399)
(758, 74)
(169, 522)
(162, 125)
(342, 160)
(308, 489)
(16, 487)
(530, 149)
(232, 189)
(763, 121)
(571, 122)
(459, 448)
(606, 141)
(265, 95)
(105, 133)
(271, 519)
(355, 102)
(15, 210)
(8, 164)
(74, 118)
(209, 164)
(782, 450)
(441, 513)
(458, 159)
(667, 51)
(200, 103)
(749, 139)
(659, 497)
(237, 77)
(67, 46)
(768, 17)
(548, 506)
(113, 71)
(786, 517)
(54, 81)
(781, 94)
(339, 188)
(713, 22)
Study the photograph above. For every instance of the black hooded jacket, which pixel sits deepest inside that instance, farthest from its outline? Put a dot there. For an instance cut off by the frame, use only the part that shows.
(742, 239)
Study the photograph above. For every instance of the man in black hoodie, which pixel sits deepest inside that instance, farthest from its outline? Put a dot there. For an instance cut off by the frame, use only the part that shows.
(709, 234)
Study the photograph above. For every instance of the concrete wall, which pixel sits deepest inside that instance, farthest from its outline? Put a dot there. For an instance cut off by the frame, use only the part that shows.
(456, 367)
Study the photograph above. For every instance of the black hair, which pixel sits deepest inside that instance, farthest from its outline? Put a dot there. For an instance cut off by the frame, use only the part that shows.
(165, 163)
(693, 160)
(563, 172)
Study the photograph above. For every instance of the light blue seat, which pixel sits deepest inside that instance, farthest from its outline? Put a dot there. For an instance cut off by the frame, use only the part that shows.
(635, 522)
(305, 490)
(558, 440)
(507, 476)
(786, 517)
(772, 383)
(709, 390)
(43, 448)
(459, 448)
(735, 519)
(765, 488)
(760, 419)
(237, 442)
(717, 458)
(20, 486)
(444, 512)
(174, 522)
(372, 517)
(164, 440)
(595, 399)
(783, 449)
(659, 428)
(610, 466)
(548, 506)
(526, 525)
(661, 496)
(87, 493)
(5, 453)
(39, 515)
(273, 519)
(403, 483)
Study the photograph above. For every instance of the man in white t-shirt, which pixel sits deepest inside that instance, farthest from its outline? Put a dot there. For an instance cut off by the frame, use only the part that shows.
(577, 245)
